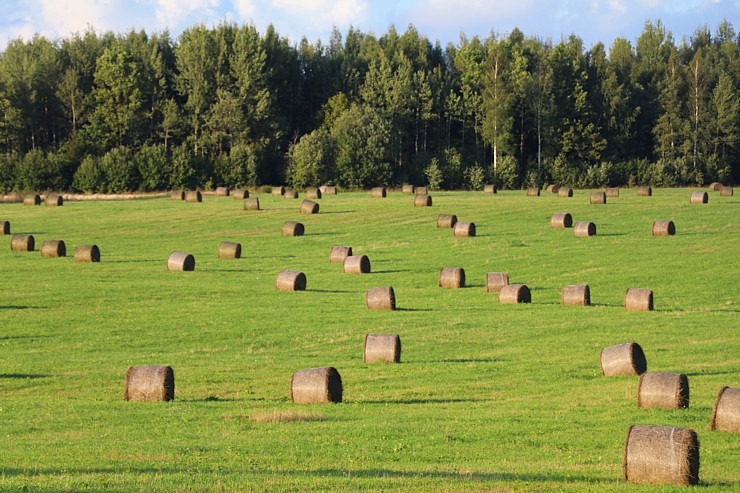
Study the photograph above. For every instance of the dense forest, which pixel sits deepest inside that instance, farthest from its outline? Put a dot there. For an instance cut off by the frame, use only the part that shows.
(105, 112)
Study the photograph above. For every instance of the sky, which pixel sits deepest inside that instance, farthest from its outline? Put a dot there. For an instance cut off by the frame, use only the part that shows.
(438, 20)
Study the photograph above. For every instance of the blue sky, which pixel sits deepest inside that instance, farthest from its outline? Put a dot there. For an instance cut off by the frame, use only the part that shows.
(439, 20)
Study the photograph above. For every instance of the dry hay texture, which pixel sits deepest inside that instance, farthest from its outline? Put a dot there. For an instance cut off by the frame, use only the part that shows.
(252, 204)
(240, 194)
(496, 280)
(663, 390)
(291, 280)
(339, 253)
(178, 195)
(5, 227)
(193, 197)
(181, 261)
(54, 201)
(316, 386)
(726, 191)
(514, 293)
(408, 189)
(664, 228)
(22, 243)
(553, 188)
(378, 192)
(53, 248)
(726, 411)
(699, 197)
(490, 189)
(584, 229)
(222, 191)
(293, 228)
(380, 298)
(421, 191)
(638, 300)
(422, 201)
(356, 264)
(645, 191)
(612, 192)
(309, 207)
(451, 277)
(565, 192)
(87, 253)
(290, 194)
(576, 295)
(313, 193)
(598, 198)
(715, 187)
(561, 220)
(622, 360)
(229, 249)
(533, 192)
(382, 348)
(661, 455)
(463, 230)
(328, 189)
(446, 221)
(32, 200)
(278, 191)
(149, 383)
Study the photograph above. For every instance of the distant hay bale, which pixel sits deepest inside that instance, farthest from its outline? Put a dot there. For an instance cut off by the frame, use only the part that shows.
(663, 390)
(514, 293)
(328, 190)
(5, 227)
(229, 249)
(54, 201)
(339, 253)
(699, 197)
(661, 455)
(565, 192)
(382, 348)
(644, 191)
(583, 229)
(664, 228)
(181, 261)
(178, 195)
(87, 253)
(490, 189)
(422, 201)
(309, 207)
(193, 197)
(380, 298)
(150, 383)
(451, 277)
(576, 295)
(612, 192)
(496, 280)
(553, 188)
(715, 187)
(638, 300)
(356, 264)
(313, 193)
(626, 359)
(726, 191)
(533, 192)
(22, 243)
(34, 199)
(53, 248)
(408, 189)
(293, 228)
(252, 204)
(222, 191)
(463, 230)
(278, 191)
(421, 191)
(598, 197)
(378, 192)
(316, 386)
(446, 220)
(291, 280)
(726, 411)
(240, 194)
(290, 194)
(561, 220)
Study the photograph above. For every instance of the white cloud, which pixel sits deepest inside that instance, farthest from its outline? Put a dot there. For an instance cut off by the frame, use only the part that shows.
(617, 6)
(245, 8)
(323, 12)
(171, 13)
(71, 16)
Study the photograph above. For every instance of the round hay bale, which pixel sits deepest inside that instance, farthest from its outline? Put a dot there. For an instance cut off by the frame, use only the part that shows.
(34, 199)
(638, 300)
(309, 207)
(612, 192)
(356, 264)
(53, 248)
(316, 386)
(22, 243)
(229, 249)
(278, 191)
(339, 253)
(421, 191)
(451, 277)
(378, 192)
(408, 189)
(87, 253)
(533, 192)
(663, 390)
(565, 192)
(490, 189)
(150, 383)
(313, 193)
(252, 204)
(582, 229)
(328, 190)
(290, 194)
(726, 191)
(5, 227)
(422, 201)
(380, 298)
(293, 228)
(726, 411)
(463, 230)
(645, 191)
(291, 280)
(514, 293)
(54, 201)
(699, 197)
(664, 228)
(222, 191)
(715, 186)
(178, 195)
(553, 188)
(446, 220)
(661, 455)
(496, 280)
(598, 197)
(623, 360)
(193, 197)
(382, 348)
(240, 194)
(561, 220)
(181, 261)
(576, 295)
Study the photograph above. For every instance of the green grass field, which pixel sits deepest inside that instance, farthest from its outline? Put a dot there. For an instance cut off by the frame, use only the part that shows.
(486, 397)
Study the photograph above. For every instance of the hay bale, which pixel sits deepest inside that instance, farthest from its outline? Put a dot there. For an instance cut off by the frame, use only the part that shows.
(328, 190)
(34, 199)
(293, 228)
(565, 192)
(291, 280)
(5, 227)
(661, 455)
(446, 221)
(726, 411)
(339, 253)
(222, 191)
(533, 192)
(644, 191)
(252, 204)
(553, 188)
(278, 191)
(380, 298)
(699, 197)
(576, 295)
(451, 277)
(715, 186)
(561, 220)
(181, 261)
(229, 249)
(54, 201)
(290, 194)
(598, 197)
(638, 300)
(378, 192)
(421, 191)
(87, 253)
(623, 360)
(150, 383)
(726, 191)
(583, 229)
(356, 264)
(53, 248)
(663, 390)
(496, 280)
(463, 230)
(178, 195)
(664, 228)
(612, 193)
(316, 386)
(309, 207)
(382, 348)
(490, 189)
(313, 193)
(193, 197)
(422, 201)
(22, 243)
(514, 293)
(408, 189)
(240, 194)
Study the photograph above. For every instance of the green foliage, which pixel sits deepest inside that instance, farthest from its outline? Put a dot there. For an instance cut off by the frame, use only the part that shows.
(507, 174)
(89, 177)
(184, 173)
(153, 167)
(475, 177)
(311, 160)
(362, 139)
(37, 172)
(434, 175)
(239, 168)
(119, 170)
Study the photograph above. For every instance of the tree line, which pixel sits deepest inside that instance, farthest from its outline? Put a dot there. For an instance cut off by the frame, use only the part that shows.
(230, 106)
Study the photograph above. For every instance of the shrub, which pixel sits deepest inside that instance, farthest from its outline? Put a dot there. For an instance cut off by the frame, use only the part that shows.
(433, 172)
(153, 167)
(119, 171)
(89, 177)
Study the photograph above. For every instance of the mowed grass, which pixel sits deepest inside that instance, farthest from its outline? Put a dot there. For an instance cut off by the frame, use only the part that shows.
(487, 396)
